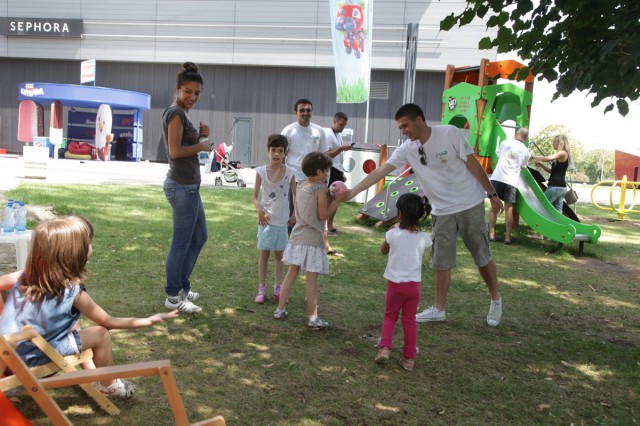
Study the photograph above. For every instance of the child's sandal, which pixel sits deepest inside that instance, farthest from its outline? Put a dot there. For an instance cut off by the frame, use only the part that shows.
(383, 355)
(407, 363)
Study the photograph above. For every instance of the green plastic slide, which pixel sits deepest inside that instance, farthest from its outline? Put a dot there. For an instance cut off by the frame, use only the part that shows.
(541, 216)
(508, 102)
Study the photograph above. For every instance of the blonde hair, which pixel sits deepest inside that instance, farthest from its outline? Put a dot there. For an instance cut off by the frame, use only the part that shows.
(563, 144)
(57, 258)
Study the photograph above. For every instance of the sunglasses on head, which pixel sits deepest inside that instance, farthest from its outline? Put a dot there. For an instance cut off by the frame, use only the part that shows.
(423, 156)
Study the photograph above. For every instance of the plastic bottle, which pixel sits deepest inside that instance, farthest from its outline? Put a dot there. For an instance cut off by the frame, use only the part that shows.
(9, 218)
(21, 218)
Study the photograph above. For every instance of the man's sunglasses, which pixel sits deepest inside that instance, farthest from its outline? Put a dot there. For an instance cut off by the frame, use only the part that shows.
(423, 156)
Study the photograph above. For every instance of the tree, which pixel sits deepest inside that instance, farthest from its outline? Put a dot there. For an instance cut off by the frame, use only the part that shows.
(544, 138)
(592, 166)
(591, 45)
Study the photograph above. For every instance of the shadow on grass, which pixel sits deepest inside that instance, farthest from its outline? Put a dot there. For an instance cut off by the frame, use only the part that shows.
(566, 351)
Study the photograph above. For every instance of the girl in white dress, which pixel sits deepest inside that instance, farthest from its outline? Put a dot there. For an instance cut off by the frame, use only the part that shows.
(306, 250)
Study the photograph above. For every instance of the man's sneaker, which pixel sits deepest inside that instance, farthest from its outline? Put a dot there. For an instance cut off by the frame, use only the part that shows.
(430, 314)
(183, 305)
(278, 314)
(192, 296)
(317, 324)
(262, 291)
(495, 313)
(122, 389)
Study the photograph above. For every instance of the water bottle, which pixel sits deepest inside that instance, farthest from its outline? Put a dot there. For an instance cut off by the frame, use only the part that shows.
(9, 218)
(21, 218)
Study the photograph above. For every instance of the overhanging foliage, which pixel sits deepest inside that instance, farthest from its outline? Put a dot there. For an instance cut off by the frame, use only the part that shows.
(586, 45)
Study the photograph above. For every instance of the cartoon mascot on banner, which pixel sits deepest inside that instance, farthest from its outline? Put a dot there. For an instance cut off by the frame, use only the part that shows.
(104, 137)
(349, 20)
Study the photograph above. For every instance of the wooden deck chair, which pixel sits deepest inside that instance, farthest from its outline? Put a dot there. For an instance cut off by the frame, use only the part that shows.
(38, 387)
(58, 364)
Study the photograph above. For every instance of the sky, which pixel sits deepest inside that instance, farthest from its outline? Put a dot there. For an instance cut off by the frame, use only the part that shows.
(590, 126)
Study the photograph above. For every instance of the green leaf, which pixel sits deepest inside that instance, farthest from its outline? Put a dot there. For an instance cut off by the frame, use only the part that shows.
(503, 18)
(467, 16)
(447, 23)
(623, 107)
(485, 43)
(608, 108)
(524, 6)
(482, 10)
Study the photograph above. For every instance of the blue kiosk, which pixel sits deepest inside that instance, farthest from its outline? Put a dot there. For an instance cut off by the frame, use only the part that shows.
(82, 103)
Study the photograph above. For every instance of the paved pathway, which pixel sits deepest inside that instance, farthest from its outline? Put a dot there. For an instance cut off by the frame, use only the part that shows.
(12, 172)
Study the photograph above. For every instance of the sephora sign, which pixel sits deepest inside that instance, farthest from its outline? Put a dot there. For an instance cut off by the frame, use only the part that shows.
(41, 27)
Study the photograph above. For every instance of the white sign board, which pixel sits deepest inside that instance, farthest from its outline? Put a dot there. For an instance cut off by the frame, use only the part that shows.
(88, 71)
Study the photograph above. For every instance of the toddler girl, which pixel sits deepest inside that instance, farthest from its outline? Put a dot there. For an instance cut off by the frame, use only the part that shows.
(49, 296)
(306, 249)
(405, 244)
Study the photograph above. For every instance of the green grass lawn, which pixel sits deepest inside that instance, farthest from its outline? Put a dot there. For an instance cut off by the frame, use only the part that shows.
(566, 352)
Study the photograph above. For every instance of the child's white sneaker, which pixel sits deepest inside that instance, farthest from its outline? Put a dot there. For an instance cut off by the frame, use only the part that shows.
(122, 389)
(278, 314)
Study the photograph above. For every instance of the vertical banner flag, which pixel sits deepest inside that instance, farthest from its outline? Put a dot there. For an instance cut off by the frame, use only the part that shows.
(351, 30)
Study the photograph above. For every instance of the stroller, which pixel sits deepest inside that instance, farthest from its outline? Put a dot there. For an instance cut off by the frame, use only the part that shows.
(221, 165)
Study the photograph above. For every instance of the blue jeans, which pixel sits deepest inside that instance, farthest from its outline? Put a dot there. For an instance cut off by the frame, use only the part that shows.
(555, 195)
(189, 234)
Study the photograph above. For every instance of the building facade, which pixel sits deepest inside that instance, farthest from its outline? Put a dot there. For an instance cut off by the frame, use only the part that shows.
(256, 57)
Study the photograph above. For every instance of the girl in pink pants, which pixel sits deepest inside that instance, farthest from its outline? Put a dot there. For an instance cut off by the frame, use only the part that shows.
(405, 244)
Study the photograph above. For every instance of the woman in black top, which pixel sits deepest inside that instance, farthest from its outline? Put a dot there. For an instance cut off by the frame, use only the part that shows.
(560, 159)
(182, 189)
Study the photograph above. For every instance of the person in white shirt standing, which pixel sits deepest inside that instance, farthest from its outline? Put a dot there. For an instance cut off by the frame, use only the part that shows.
(456, 185)
(336, 149)
(304, 137)
(513, 156)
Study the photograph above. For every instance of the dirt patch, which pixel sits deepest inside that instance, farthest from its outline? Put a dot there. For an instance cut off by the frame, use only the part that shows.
(8, 251)
(608, 267)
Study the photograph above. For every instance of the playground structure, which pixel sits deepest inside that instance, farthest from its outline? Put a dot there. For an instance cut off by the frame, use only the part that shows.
(622, 208)
(474, 100)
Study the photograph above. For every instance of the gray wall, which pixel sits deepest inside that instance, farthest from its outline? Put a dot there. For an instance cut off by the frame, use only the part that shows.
(265, 94)
(292, 33)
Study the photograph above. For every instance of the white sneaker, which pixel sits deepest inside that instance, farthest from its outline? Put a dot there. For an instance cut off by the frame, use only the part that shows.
(192, 296)
(181, 304)
(278, 314)
(122, 389)
(495, 313)
(430, 314)
(317, 324)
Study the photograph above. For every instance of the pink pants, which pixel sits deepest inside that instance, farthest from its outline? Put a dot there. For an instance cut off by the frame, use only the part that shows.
(405, 297)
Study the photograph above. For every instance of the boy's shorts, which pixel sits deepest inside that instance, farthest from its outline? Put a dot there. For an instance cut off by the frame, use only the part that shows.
(472, 226)
(272, 237)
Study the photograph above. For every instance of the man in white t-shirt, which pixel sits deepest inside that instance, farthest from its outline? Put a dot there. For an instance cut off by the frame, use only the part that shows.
(513, 156)
(304, 137)
(456, 185)
(336, 149)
